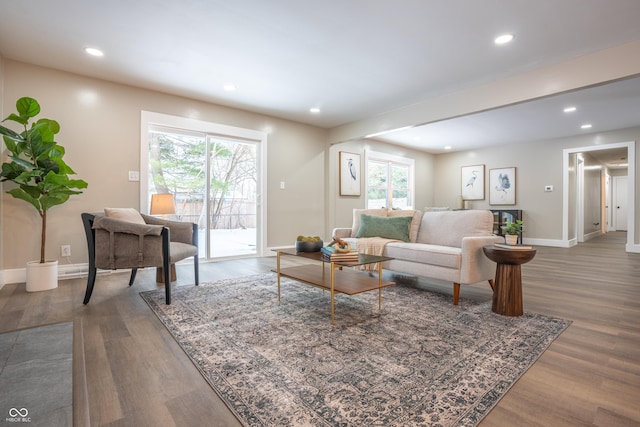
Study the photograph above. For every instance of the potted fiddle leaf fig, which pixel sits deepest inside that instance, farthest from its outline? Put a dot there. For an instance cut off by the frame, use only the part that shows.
(36, 166)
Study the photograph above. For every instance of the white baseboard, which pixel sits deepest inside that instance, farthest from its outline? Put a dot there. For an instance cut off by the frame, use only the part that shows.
(65, 271)
(633, 248)
(592, 235)
(548, 242)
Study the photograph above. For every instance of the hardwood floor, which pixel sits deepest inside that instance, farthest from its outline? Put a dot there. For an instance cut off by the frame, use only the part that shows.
(137, 375)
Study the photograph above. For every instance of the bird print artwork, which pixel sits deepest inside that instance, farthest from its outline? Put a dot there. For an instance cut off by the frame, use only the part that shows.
(349, 174)
(472, 182)
(352, 169)
(503, 186)
(503, 183)
(473, 178)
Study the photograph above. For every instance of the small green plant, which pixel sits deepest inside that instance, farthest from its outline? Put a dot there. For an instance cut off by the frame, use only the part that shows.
(35, 163)
(513, 228)
(309, 239)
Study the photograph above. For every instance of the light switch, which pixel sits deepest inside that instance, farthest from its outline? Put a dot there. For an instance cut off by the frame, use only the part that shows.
(134, 176)
(548, 188)
(282, 185)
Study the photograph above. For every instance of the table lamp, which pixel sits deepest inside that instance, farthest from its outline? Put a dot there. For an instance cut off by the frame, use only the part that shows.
(162, 204)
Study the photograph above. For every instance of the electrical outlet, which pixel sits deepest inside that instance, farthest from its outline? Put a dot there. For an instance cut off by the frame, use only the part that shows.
(65, 250)
(134, 176)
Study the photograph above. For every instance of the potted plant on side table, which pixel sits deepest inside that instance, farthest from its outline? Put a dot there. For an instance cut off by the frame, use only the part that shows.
(512, 230)
(36, 166)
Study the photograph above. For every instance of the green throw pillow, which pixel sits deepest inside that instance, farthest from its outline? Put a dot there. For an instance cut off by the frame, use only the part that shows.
(387, 227)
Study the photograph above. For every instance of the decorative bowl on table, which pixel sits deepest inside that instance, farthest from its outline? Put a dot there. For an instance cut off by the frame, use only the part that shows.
(309, 244)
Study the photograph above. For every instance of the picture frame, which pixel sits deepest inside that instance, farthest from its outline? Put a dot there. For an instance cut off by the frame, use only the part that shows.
(502, 186)
(349, 178)
(472, 182)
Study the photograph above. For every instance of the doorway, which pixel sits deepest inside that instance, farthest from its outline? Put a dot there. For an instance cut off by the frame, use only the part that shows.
(571, 179)
(620, 203)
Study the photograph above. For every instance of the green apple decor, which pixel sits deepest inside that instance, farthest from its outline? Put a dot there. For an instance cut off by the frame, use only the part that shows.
(35, 164)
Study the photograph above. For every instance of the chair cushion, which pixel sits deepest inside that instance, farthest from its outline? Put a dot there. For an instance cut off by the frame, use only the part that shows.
(180, 251)
(125, 214)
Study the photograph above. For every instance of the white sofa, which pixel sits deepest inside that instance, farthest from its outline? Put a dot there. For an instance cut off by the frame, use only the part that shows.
(445, 245)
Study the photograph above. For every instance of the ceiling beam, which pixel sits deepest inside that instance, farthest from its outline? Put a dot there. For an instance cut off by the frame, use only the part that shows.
(589, 70)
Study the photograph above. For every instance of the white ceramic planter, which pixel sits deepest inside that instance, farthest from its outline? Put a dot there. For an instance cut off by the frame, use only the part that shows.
(42, 277)
(511, 239)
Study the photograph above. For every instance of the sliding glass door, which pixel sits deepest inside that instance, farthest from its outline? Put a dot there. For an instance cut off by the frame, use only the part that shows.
(232, 197)
(214, 183)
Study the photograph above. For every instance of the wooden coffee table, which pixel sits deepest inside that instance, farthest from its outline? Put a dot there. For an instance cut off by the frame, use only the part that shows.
(336, 278)
(507, 291)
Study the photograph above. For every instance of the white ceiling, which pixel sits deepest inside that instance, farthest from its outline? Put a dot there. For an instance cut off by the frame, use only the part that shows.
(351, 58)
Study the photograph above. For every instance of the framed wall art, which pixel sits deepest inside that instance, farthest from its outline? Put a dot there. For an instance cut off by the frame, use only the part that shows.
(349, 174)
(472, 182)
(502, 186)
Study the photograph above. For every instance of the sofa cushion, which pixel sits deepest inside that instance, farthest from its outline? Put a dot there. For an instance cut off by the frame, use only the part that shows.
(356, 217)
(449, 227)
(385, 227)
(444, 256)
(415, 221)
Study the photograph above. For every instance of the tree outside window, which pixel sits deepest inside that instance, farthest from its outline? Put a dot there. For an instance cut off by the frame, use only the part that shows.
(388, 184)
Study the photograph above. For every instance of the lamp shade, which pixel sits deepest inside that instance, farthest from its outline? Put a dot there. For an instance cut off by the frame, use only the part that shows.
(162, 204)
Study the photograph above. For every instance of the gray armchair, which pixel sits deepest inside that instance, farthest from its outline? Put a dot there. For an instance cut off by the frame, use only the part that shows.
(115, 244)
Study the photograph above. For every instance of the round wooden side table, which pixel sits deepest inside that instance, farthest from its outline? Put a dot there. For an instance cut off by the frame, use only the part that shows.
(507, 292)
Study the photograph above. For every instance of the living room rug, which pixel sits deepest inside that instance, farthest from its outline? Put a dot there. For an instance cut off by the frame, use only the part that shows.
(419, 361)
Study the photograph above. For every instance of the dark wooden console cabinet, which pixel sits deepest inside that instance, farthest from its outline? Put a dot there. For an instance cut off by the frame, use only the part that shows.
(500, 216)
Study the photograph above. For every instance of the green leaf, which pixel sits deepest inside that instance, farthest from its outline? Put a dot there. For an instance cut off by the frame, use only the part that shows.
(15, 118)
(47, 202)
(46, 128)
(24, 164)
(8, 133)
(11, 145)
(27, 107)
(18, 193)
(77, 183)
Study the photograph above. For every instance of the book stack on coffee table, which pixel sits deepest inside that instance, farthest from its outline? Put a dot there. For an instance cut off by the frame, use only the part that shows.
(330, 253)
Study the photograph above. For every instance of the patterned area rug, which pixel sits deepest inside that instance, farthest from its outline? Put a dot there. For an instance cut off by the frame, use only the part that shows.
(420, 361)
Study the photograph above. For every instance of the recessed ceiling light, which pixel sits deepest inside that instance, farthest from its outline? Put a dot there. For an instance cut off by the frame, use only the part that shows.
(503, 38)
(586, 126)
(570, 109)
(229, 87)
(314, 110)
(93, 51)
(448, 147)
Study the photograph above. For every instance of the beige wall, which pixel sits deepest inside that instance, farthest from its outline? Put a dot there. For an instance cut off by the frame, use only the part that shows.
(100, 129)
(538, 163)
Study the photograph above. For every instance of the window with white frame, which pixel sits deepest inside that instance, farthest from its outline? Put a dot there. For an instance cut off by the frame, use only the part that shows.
(390, 181)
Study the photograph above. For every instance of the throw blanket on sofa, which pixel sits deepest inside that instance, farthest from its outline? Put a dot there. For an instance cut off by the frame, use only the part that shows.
(372, 246)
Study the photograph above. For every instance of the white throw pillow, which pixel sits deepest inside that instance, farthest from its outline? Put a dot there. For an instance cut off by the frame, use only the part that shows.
(124, 214)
